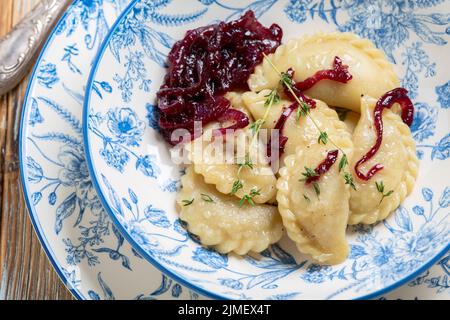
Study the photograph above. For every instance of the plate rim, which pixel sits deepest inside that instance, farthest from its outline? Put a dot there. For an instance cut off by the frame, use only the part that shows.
(93, 175)
(22, 153)
(173, 274)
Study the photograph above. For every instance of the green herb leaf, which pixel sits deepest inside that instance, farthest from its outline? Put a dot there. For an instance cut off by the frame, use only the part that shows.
(309, 173)
(342, 113)
(303, 110)
(247, 163)
(256, 126)
(249, 197)
(380, 188)
(206, 198)
(316, 188)
(285, 79)
(390, 192)
(349, 180)
(272, 98)
(187, 202)
(236, 186)
(306, 198)
(255, 192)
(343, 162)
(323, 137)
(299, 113)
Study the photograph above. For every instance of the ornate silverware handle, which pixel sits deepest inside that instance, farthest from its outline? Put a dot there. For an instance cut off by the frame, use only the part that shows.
(19, 47)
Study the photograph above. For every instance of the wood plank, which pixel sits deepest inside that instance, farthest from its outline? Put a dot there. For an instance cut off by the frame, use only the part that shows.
(25, 271)
(6, 8)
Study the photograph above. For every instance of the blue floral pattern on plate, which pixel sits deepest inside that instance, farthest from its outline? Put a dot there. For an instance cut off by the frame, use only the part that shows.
(87, 250)
(382, 256)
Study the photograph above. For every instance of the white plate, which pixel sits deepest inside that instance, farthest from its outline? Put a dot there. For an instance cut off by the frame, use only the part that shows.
(85, 248)
(131, 168)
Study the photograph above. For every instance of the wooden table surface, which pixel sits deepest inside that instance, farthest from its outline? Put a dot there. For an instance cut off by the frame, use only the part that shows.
(25, 271)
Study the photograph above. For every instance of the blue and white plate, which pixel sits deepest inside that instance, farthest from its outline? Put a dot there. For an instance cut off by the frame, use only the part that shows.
(86, 249)
(91, 258)
(131, 169)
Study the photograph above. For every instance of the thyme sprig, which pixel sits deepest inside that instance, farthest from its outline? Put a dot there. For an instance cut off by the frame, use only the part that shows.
(316, 189)
(256, 126)
(285, 78)
(272, 98)
(187, 202)
(286, 81)
(249, 197)
(343, 163)
(207, 198)
(323, 138)
(303, 110)
(247, 163)
(349, 180)
(237, 185)
(380, 188)
(309, 173)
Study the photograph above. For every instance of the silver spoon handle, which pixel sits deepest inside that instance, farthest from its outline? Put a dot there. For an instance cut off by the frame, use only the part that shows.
(19, 47)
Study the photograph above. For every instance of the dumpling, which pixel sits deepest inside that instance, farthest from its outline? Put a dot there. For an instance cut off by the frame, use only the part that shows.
(219, 167)
(372, 73)
(218, 220)
(315, 222)
(301, 132)
(398, 156)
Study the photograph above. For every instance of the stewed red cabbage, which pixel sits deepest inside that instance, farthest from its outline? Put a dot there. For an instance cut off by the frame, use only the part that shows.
(207, 63)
